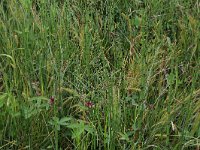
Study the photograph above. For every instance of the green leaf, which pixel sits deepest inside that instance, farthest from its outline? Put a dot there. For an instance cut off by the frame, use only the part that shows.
(29, 112)
(75, 125)
(124, 137)
(63, 121)
(56, 119)
(89, 129)
(137, 21)
(38, 98)
(2, 99)
(77, 132)
(70, 91)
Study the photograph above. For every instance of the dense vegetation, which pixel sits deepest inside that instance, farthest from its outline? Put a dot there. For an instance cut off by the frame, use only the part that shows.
(100, 74)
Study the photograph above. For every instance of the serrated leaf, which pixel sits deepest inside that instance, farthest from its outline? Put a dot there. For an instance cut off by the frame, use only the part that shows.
(56, 119)
(77, 132)
(63, 121)
(89, 129)
(75, 125)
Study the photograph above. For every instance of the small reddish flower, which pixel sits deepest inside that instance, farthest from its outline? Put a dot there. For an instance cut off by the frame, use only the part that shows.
(89, 104)
(51, 100)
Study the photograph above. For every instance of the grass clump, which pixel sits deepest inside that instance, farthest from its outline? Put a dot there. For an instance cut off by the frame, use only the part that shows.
(99, 74)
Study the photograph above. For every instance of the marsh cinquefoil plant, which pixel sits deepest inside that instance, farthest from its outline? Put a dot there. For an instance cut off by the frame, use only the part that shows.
(124, 74)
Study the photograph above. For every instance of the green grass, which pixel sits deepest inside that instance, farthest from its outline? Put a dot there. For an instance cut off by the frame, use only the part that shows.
(137, 62)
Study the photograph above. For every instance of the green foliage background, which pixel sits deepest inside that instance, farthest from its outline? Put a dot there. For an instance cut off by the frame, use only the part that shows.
(136, 61)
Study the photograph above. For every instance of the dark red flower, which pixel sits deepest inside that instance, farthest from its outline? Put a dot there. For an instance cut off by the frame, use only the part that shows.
(51, 100)
(89, 104)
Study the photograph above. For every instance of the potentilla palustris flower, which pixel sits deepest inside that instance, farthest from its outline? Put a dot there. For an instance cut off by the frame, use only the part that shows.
(89, 104)
(51, 100)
